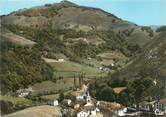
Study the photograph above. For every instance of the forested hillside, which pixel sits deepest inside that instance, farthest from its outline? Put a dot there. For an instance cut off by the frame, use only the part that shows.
(21, 66)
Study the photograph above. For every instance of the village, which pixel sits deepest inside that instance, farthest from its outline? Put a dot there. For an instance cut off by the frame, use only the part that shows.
(84, 105)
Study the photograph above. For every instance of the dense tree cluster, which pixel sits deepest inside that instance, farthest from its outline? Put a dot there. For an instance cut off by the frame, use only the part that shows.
(136, 90)
(21, 66)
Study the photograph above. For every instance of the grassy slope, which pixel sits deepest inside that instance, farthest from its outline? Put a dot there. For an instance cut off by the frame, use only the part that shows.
(151, 60)
(49, 86)
(39, 111)
(13, 38)
(16, 100)
(66, 15)
(69, 69)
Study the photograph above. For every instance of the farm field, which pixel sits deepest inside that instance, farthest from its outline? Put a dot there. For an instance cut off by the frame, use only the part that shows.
(70, 69)
(66, 66)
(50, 87)
(16, 100)
(111, 55)
(54, 96)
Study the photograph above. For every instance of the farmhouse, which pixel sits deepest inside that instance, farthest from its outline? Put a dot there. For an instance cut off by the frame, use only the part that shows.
(103, 68)
(61, 60)
(24, 92)
(156, 106)
(53, 103)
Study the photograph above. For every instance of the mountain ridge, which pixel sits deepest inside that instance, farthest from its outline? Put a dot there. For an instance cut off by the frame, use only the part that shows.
(76, 32)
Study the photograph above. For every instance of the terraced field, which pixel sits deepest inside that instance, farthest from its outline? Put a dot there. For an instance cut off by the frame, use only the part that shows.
(70, 69)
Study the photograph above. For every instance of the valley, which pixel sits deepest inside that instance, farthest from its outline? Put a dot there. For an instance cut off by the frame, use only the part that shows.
(64, 59)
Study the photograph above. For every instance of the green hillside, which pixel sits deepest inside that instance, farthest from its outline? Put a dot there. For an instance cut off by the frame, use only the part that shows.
(76, 32)
(21, 66)
(150, 63)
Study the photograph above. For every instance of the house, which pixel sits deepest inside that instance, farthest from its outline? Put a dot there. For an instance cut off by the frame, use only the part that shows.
(82, 114)
(91, 108)
(80, 94)
(61, 60)
(145, 106)
(112, 64)
(132, 112)
(114, 107)
(67, 102)
(163, 102)
(103, 68)
(88, 110)
(53, 103)
(89, 58)
(77, 106)
(24, 92)
(158, 107)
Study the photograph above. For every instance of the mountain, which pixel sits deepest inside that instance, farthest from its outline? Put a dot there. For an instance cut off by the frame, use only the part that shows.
(72, 31)
(67, 15)
(162, 28)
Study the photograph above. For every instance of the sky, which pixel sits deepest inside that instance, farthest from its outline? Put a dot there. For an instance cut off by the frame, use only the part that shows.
(141, 12)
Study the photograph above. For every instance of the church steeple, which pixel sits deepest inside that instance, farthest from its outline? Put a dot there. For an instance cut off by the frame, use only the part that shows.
(88, 97)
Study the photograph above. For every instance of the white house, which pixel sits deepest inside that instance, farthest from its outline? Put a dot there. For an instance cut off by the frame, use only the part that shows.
(82, 114)
(112, 64)
(121, 112)
(24, 92)
(77, 106)
(86, 112)
(61, 60)
(80, 97)
(94, 111)
(55, 103)
(102, 68)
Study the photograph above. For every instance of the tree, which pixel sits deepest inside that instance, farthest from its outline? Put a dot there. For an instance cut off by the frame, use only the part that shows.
(106, 94)
(123, 98)
(6, 107)
(75, 82)
(61, 96)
